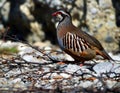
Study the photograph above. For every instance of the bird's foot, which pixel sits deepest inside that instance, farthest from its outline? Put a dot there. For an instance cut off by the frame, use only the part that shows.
(61, 63)
(81, 65)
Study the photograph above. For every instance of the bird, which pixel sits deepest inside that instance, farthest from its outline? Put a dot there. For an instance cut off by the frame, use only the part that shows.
(78, 44)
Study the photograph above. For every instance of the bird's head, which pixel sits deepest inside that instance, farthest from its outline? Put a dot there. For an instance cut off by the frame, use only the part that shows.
(61, 15)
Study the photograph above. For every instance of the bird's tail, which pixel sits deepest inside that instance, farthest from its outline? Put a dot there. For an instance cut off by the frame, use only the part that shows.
(106, 56)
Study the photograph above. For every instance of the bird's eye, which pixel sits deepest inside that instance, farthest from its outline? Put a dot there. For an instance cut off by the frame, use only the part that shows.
(60, 17)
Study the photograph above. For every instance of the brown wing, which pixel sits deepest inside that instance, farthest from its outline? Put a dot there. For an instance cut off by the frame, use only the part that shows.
(77, 47)
(94, 43)
(90, 39)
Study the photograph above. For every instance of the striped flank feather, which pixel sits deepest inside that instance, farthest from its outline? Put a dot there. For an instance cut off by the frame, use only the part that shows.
(75, 43)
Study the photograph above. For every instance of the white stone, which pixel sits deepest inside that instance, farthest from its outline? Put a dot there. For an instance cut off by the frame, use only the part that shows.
(64, 75)
(94, 10)
(72, 68)
(110, 83)
(106, 67)
(16, 80)
(115, 57)
(86, 84)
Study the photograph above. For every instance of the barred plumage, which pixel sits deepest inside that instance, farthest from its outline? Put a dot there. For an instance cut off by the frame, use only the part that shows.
(74, 42)
(78, 44)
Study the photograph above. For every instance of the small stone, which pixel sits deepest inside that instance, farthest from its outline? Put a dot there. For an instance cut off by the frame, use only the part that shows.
(86, 84)
(110, 84)
(47, 48)
(107, 67)
(94, 11)
(73, 68)
(3, 82)
(64, 75)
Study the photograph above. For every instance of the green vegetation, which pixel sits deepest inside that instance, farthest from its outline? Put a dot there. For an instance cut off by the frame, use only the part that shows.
(7, 50)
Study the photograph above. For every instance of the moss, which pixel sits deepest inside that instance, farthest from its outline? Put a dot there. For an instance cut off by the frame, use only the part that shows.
(7, 50)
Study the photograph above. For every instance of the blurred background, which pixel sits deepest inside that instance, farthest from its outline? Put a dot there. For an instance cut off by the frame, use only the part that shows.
(31, 20)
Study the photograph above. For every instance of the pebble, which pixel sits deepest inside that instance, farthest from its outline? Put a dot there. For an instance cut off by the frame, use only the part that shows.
(86, 84)
(73, 68)
(110, 84)
(94, 11)
(64, 75)
(107, 67)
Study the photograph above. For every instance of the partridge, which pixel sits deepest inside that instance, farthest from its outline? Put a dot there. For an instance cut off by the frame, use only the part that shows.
(75, 42)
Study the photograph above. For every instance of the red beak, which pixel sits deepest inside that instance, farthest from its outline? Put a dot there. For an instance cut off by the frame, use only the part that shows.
(56, 13)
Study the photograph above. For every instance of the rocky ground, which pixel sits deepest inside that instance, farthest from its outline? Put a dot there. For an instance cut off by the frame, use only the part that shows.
(43, 67)
(25, 68)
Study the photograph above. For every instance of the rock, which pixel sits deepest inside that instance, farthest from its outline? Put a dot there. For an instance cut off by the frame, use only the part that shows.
(42, 44)
(115, 57)
(5, 11)
(109, 39)
(64, 75)
(105, 4)
(94, 11)
(86, 84)
(107, 68)
(75, 68)
(3, 82)
(111, 84)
